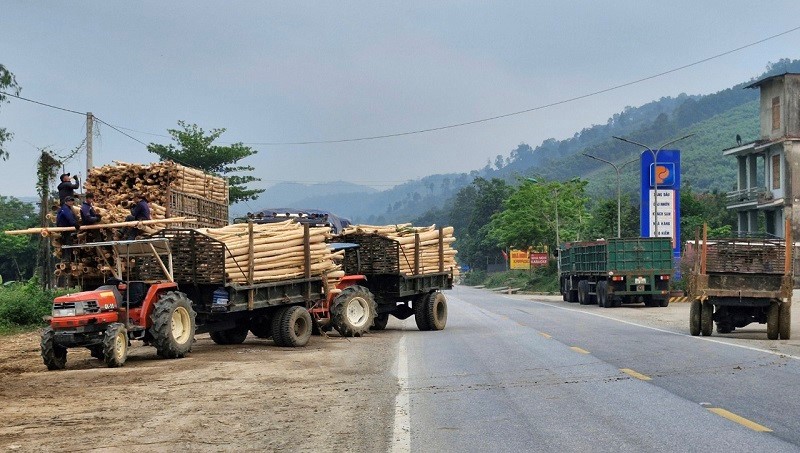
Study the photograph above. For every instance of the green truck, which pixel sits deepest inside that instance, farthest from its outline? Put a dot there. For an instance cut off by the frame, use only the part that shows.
(611, 272)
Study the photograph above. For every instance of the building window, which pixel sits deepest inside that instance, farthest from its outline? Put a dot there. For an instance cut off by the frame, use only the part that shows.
(776, 171)
(776, 113)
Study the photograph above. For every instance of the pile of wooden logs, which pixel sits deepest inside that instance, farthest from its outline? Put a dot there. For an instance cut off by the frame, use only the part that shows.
(275, 251)
(405, 235)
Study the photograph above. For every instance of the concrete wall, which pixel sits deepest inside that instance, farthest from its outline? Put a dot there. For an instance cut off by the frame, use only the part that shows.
(791, 107)
(791, 210)
(771, 89)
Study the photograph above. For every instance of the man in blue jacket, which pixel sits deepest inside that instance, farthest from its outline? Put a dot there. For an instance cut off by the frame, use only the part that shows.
(66, 218)
(140, 211)
(89, 216)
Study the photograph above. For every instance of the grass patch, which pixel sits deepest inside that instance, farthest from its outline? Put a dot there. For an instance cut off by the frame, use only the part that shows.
(23, 305)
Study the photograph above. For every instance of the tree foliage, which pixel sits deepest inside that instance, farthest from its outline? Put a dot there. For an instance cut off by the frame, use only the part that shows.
(7, 84)
(195, 148)
(17, 253)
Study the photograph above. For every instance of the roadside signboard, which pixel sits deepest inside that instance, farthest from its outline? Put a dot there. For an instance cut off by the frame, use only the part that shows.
(667, 176)
(538, 259)
(520, 259)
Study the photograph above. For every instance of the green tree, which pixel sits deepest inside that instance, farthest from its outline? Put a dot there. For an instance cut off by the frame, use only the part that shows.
(7, 84)
(195, 148)
(17, 253)
(603, 222)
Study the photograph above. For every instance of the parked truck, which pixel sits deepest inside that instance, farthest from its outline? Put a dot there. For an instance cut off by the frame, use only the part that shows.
(171, 286)
(738, 281)
(611, 272)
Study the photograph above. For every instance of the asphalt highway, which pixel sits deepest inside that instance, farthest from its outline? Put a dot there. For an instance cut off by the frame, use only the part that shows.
(516, 374)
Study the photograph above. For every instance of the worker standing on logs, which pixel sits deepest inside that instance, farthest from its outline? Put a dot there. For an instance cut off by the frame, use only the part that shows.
(139, 212)
(66, 218)
(66, 188)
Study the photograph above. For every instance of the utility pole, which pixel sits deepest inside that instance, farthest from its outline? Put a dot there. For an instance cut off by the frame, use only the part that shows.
(89, 124)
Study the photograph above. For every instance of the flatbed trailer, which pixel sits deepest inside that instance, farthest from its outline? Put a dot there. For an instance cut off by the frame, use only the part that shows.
(610, 272)
(738, 281)
(399, 294)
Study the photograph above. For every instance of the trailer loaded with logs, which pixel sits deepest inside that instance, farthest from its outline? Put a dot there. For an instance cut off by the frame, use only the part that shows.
(738, 281)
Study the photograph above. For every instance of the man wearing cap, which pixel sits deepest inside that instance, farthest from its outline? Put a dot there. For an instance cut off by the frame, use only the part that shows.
(89, 216)
(66, 188)
(66, 218)
(140, 211)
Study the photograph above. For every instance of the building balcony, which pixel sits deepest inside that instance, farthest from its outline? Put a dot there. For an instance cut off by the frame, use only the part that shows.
(750, 197)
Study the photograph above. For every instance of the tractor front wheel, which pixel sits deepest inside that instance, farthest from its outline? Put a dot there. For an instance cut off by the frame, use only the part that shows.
(173, 325)
(54, 356)
(115, 345)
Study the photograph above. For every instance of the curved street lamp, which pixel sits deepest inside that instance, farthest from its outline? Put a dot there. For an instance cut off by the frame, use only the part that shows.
(618, 169)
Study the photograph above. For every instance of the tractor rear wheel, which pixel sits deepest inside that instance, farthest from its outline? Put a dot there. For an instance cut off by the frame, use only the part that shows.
(436, 310)
(115, 345)
(773, 318)
(235, 335)
(694, 318)
(353, 311)
(54, 356)
(295, 326)
(420, 316)
(173, 325)
(785, 320)
(380, 321)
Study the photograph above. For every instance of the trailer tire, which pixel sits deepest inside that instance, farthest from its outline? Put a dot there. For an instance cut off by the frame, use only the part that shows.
(353, 311)
(277, 337)
(380, 321)
(706, 318)
(261, 327)
(436, 310)
(602, 293)
(295, 326)
(418, 304)
(785, 321)
(583, 292)
(173, 325)
(773, 320)
(53, 355)
(694, 317)
(236, 335)
(115, 345)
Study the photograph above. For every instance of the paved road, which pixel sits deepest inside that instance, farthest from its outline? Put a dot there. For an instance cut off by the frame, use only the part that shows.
(514, 374)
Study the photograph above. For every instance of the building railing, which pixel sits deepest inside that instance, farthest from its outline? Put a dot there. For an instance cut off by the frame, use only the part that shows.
(751, 194)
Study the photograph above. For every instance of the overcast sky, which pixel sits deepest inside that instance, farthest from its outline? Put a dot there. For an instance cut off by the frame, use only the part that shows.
(311, 71)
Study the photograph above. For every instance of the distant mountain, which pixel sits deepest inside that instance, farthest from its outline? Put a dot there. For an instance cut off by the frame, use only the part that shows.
(304, 196)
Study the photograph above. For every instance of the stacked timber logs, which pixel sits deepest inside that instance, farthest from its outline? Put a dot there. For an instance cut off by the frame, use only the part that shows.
(416, 252)
(258, 253)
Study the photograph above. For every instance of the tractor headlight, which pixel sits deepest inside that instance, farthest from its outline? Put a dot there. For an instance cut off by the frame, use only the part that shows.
(68, 309)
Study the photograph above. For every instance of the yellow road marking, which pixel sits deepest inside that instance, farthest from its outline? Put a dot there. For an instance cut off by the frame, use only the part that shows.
(580, 350)
(740, 420)
(548, 336)
(632, 373)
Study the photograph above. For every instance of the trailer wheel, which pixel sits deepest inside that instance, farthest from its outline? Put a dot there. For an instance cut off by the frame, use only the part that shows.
(115, 345)
(785, 320)
(261, 327)
(173, 325)
(380, 321)
(583, 292)
(773, 319)
(54, 356)
(706, 318)
(694, 317)
(353, 311)
(418, 304)
(277, 336)
(602, 293)
(436, 310)
(295, 329)
(236, 335)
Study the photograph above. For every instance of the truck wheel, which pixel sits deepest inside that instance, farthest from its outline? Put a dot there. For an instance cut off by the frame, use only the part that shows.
(261, 327)
(173, 325)
(602, 293)
(694, 318)
(380, 322)
(54, 356)
(724, 328)
(773, 318)
(295, 326)
(96, 351)
(706, 318)
(583, 292)
(785, 320)
(436, 310)
(277, 337)
(418, 304)
(115, 345)
(235, 335)
(353, 311)
(664, 301)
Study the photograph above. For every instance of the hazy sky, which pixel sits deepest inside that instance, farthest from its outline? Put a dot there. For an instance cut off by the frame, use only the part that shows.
(310, 71)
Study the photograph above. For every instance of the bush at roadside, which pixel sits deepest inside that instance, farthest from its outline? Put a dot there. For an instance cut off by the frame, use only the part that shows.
(23, 305)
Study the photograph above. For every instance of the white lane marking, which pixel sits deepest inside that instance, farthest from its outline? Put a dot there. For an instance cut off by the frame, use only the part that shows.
(781, 354)
(401, 438)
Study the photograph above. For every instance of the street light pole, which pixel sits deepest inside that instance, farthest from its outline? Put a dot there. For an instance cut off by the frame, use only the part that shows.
(618, 169)
(655, 166)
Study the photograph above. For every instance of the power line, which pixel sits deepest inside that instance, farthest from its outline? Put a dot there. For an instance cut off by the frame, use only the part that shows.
(449, 126)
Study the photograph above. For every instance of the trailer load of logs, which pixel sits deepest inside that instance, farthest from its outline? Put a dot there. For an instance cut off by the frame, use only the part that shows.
(402, 248)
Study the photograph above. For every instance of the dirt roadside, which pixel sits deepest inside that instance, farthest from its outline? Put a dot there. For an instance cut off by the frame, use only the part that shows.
(332, 395)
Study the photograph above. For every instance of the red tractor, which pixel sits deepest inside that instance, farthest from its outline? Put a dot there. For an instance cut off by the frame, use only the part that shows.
(106, 319)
